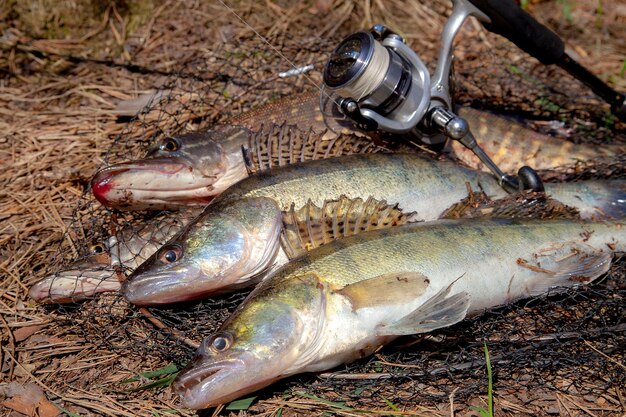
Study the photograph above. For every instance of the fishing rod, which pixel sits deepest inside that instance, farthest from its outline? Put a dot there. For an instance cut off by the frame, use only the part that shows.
(380, 83)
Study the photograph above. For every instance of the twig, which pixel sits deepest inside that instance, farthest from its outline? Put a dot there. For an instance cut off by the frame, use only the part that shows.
(11, 346)
(605, 355)
(451, 397)
(333, 375)
(160, 325)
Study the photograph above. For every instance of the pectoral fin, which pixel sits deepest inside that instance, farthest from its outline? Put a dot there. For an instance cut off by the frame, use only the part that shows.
(395, 288)
(310, 226)
(565, 265)
(439, 311)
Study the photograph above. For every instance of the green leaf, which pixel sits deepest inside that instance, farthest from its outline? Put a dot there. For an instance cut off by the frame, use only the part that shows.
(490, 384)
(341, 405)
(166, 370)
(242, 404)
(389, 403)
(163, 382)
(481, 411)
(279, 412)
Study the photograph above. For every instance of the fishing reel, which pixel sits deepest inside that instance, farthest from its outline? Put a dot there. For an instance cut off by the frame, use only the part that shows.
(380, 83)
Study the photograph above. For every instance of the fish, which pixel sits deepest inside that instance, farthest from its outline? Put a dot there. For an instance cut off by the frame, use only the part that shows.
(511, 145)
(193, 168)
(237, 241)
(345, 300)
(108, 260)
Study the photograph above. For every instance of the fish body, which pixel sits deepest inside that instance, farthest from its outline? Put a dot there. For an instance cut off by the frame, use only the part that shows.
(511, 145)
(236, 241)
(342, 301)
(107, 262)
(193, 168)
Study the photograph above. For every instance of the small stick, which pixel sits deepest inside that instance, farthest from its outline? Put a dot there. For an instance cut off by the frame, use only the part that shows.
(605, 355)
(331, 375)
(159, 324)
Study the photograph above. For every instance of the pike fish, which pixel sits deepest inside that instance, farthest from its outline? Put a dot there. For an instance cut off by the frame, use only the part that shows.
(108, 260)
(243, 234)
(511, 145)
(344, 300)
(193, 168)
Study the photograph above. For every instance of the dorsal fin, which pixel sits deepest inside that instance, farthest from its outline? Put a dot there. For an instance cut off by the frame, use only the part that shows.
(525, 205)
(310, 226)
(278, 145)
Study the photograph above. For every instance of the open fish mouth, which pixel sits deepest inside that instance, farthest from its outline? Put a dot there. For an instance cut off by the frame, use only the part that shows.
(205, 385)
(194, 375)
(161, 288)
(151, 181)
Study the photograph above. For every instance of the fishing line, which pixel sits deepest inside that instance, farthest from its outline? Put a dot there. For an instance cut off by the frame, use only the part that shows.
(276, 50)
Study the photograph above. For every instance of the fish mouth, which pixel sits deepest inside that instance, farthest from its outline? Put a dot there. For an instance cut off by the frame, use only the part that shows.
(207, 385)
(152, 182)
(159, 288)
(74, 285)
(196, 373)
(175, 286)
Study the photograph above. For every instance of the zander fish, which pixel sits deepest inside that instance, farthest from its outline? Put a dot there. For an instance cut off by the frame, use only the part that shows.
(192, 169)
(343, 301)
(121, 253)
(111, 260)
(237, 239)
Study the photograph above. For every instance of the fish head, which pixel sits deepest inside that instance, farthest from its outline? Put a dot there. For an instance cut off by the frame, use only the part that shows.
(183, 170)
(82, 279)
(272, 335)
(225, 248)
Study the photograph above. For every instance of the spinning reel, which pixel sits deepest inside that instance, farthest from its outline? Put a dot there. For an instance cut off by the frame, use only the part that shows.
(381, 84)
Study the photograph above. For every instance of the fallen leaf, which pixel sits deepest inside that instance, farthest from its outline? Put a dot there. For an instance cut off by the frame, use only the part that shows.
(28, 399)
(47, 409)
(23, 398)
(24, 333)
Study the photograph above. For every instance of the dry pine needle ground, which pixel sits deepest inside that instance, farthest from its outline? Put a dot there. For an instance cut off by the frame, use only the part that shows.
(65, 69)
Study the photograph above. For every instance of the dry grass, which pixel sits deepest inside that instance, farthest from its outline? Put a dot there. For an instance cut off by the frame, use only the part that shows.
(60, 114)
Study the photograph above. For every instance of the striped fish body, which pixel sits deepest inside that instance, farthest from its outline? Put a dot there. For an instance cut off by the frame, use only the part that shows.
(344, 300)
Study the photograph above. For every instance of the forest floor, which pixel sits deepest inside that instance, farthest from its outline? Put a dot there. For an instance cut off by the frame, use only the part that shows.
(73, 75)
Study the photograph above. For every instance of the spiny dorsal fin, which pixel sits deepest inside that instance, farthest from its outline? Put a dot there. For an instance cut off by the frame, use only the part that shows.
(279, 145)
(310, 226)
(525, 205)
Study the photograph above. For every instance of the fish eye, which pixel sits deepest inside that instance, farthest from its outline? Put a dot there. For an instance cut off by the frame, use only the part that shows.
(98, 247)
(170, 144)
(170, 254)
(221, 342)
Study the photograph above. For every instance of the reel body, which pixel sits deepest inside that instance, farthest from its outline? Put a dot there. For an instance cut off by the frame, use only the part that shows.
(381, 84)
